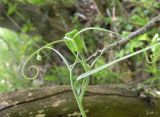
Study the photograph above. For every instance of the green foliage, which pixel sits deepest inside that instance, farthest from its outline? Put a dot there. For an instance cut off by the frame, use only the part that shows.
(139, 19)
(43, 2)
(12, 55)
(58, 75)
(12, 9)
(27, 27)
(155, 56)
(36, 2)
(105, 76)
(133, 45)
(152, 57)
(84, 75)
(153, 60)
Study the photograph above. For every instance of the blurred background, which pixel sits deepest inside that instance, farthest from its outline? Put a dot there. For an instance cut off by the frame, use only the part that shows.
(27, 25)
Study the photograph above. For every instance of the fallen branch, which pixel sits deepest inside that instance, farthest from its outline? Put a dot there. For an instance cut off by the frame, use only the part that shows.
(58, 101)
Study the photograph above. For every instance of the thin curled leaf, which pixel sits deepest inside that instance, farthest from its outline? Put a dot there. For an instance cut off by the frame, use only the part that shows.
(95, 28)
(34, 67)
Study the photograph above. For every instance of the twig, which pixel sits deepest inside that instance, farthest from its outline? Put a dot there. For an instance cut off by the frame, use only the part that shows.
(12, 20)
(153, 23)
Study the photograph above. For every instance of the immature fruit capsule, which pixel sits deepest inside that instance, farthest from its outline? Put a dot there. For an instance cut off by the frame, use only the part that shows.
(75, 44)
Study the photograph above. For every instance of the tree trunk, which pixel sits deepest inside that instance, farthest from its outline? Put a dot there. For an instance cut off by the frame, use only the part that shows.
(58, 101)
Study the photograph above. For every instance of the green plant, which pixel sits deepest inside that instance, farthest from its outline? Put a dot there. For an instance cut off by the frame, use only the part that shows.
(76, 45)
(152, 57)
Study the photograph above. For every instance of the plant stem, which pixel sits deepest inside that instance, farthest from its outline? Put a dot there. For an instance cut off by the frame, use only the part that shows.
(80, 105)
(86, 80)
(79, 101)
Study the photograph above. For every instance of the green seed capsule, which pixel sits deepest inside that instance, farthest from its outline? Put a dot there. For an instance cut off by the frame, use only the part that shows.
(76, 44)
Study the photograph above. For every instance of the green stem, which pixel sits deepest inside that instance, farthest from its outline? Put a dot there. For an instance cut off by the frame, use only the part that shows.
(79, 101)
(86, 80)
